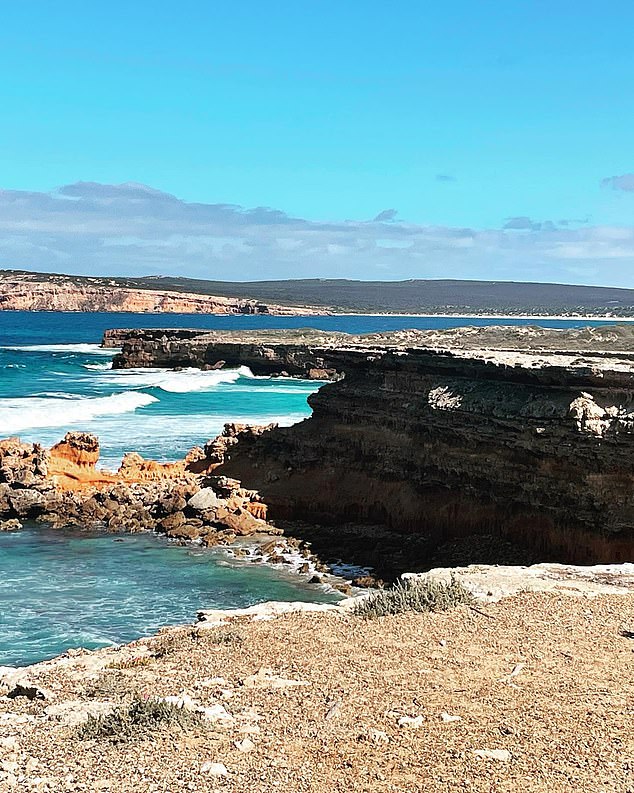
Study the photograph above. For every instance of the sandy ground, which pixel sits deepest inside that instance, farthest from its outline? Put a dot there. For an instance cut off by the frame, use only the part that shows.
(316, 700)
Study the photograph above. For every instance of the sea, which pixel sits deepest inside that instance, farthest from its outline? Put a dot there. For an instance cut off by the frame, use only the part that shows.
(62, 589)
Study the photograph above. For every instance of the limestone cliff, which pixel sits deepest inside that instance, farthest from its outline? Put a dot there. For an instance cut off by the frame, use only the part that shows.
(536, 446)
(60, 293)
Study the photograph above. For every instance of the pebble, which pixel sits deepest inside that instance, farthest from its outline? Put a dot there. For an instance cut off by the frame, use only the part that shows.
(447, 717)
(214, 769)
(503, 755)
(245, 745)
(412, 722)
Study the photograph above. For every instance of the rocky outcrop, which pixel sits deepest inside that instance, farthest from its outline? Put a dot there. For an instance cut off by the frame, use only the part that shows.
(183, 500)
(209, 350)
(438, 443)
(23, 292)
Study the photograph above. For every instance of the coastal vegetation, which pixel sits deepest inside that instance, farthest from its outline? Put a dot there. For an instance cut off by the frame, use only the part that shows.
(142, 718)
(420, 595)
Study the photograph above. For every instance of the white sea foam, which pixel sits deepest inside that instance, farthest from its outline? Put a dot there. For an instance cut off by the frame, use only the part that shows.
(98, 367)
(167, 438)
(19, 414)
(181, 382)
(84, 349)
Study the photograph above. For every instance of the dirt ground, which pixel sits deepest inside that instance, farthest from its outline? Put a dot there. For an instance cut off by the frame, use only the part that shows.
(313, 703)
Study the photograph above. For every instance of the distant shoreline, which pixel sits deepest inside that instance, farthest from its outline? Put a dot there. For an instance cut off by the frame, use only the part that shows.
(557, 317)
(521, 317)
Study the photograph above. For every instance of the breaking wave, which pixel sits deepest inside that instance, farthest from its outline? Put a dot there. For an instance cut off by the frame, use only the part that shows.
(83, 349)
(182, 382)
(18, 414)
(99, 367)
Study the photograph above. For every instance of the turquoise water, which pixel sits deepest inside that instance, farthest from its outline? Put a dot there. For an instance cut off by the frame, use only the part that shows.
(61, 589)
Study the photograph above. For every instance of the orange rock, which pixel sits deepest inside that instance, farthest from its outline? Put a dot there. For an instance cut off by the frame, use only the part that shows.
(257, 509)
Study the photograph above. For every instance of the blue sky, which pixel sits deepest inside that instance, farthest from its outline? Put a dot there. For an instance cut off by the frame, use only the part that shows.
(461, 117)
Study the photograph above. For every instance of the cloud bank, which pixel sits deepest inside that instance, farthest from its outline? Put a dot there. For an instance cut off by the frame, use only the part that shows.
(132, 229)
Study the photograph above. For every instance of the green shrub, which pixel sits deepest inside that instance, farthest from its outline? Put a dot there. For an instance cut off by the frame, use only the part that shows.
(141, 719)
(414, 595)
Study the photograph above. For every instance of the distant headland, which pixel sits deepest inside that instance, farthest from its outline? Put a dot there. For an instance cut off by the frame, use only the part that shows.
(30, 291)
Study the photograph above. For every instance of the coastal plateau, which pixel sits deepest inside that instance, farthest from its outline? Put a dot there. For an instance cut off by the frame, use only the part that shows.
(517, 434)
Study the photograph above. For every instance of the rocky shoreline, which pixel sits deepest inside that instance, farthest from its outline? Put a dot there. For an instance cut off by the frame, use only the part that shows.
(524, 435)
(184, 501)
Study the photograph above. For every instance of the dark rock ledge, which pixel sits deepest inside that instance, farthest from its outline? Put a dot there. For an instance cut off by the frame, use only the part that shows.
(517, 434)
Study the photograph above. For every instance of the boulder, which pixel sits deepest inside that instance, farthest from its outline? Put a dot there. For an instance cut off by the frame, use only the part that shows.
(78, 448)
(185, 532)
(174, 521)
(203, 500)
(243, 523)
(10, 525)
(27, 502)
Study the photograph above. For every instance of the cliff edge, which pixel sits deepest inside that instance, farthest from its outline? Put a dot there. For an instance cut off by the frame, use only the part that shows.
(522, 434)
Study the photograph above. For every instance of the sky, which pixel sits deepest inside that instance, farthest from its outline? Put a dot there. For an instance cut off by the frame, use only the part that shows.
(371, 140)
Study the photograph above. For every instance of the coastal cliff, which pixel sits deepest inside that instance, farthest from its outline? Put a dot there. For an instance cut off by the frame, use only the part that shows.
(28, 292)
(439, 436)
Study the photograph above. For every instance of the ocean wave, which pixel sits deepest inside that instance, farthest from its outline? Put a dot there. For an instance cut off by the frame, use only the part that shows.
(18, 414)
(99, 367)
(168, 438)
(181, 382)
(83, 349)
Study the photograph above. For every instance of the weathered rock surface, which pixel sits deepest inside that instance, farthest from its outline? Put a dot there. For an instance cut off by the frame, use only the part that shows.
(495, 582)
(530, 438)
(65, 488)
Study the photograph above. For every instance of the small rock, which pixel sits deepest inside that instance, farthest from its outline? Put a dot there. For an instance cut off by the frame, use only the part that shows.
(412, 722)
(503, 755)
(203, 500)
(214, 769)
(216, 713)
(9, 766)
(448, 718)
(10, 525)
(182, 701)
(245, 745)
(378, 736)
(9, 744)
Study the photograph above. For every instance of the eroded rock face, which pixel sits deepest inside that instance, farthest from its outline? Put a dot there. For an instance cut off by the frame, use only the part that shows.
(535, 446)
(23, 292)
(78, 448)
(65, 488)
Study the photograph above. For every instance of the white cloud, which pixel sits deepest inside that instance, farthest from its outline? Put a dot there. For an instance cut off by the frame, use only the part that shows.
(132, 229)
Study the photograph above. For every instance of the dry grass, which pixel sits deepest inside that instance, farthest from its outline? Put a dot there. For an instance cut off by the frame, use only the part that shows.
(547, 678)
